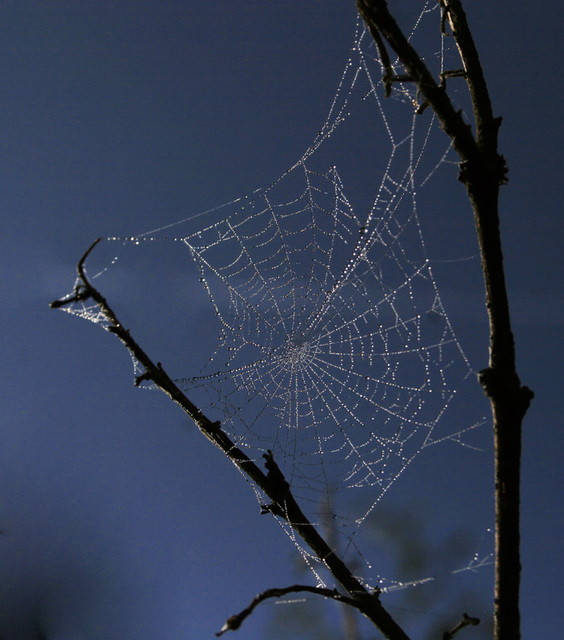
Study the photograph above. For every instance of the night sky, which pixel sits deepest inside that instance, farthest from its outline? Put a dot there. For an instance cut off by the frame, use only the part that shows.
(117, 518)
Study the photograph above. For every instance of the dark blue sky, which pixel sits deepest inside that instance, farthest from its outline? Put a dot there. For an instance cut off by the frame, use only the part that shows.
(117, 519)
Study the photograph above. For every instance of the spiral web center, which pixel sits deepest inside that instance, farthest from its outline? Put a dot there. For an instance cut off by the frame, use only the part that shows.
(296, 354)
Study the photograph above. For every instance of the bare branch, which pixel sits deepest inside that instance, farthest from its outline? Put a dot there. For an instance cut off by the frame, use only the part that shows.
(486, 124)
(235, 621)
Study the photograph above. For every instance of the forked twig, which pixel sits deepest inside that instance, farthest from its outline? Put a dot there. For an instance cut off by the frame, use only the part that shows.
(466, 620)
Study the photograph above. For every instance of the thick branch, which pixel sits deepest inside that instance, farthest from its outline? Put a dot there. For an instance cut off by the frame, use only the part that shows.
(482, 170)
(273, 483)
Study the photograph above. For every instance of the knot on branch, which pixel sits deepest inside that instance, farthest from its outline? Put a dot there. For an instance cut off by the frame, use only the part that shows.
(525, 397)
(506, 386)
(213, 427)
(279, 486)
(368, 601)
(498, 383)
(484, 169)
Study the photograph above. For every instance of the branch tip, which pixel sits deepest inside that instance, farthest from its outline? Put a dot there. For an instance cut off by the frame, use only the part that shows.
(234, 622)
(80, 267)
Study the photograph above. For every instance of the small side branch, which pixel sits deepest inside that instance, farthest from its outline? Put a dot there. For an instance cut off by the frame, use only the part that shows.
(486, 125)
(235, 621)
(466, 620)
(378, 19)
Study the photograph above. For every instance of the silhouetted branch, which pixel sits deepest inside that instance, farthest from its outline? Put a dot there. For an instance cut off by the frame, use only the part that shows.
(273, 484)
(466, 620)
(482, 171)
(235, 621)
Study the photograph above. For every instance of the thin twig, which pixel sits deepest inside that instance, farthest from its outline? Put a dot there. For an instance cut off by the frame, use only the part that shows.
(235, 621)
(466, 620)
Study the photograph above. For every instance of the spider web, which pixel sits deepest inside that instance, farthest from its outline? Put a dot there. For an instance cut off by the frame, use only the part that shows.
(333, 348)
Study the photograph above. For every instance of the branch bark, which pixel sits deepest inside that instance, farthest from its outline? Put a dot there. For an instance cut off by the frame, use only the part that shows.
(482, 171)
